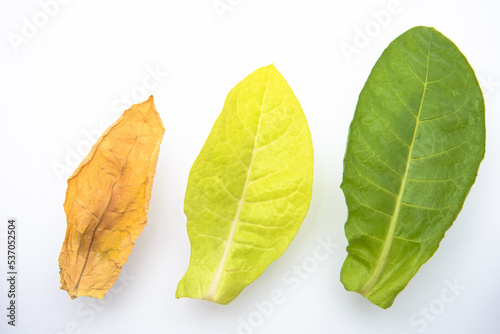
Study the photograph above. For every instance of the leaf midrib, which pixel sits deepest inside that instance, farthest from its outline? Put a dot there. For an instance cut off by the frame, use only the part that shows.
(106, 207)
(210, 296)
(377, 272)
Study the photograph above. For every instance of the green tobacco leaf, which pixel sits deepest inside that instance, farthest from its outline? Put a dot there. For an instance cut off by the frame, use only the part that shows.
(249, 189)
(413, 152)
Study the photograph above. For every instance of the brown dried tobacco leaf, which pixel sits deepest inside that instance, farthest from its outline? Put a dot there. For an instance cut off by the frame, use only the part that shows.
(107, 202)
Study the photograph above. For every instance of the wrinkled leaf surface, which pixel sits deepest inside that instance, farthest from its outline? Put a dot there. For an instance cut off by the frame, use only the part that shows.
(413, 153)
(249, 189)
(107, 202)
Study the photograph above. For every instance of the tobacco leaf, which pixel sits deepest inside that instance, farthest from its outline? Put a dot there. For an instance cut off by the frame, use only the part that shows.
(107, 202)
(249, 189)
(413, 153)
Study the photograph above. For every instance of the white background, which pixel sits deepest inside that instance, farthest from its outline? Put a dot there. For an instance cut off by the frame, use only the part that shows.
(77, 68)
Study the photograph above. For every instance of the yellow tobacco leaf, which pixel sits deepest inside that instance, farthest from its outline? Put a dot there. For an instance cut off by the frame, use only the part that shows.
(107, 202)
